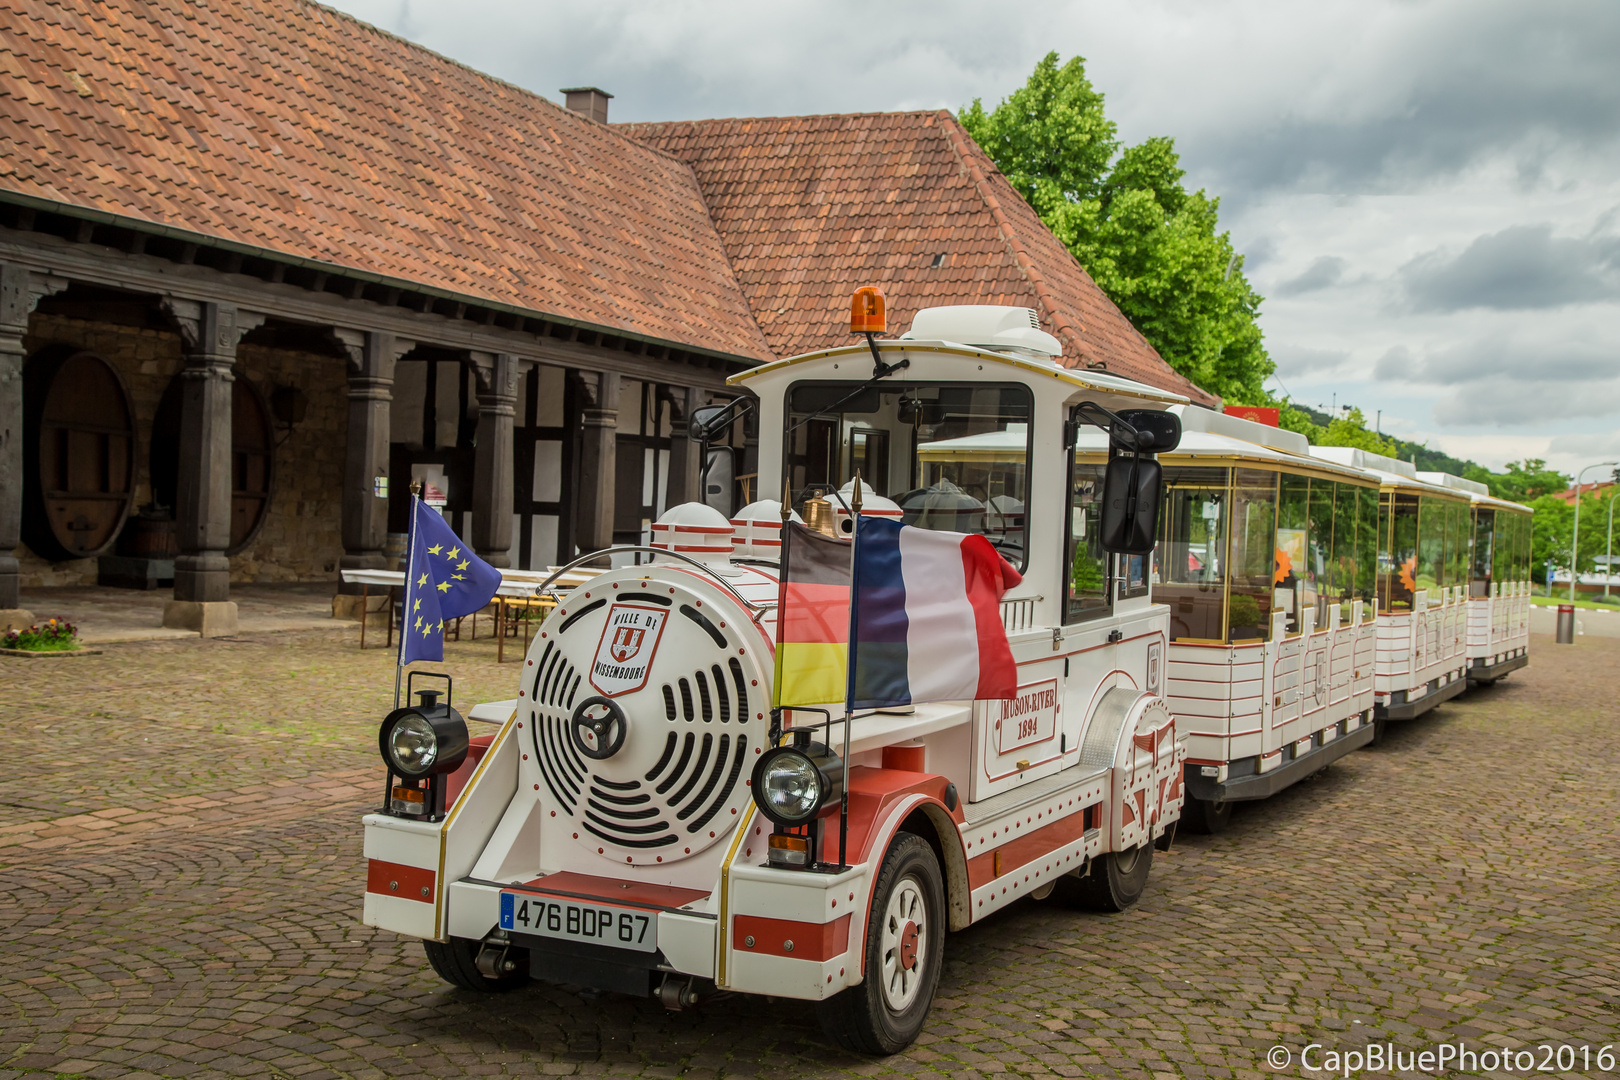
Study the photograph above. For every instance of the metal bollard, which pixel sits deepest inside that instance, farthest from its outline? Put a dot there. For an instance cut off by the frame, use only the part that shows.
(1566, 624)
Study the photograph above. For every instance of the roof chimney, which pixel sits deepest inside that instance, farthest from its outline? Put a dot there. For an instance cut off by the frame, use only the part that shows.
(588, 101)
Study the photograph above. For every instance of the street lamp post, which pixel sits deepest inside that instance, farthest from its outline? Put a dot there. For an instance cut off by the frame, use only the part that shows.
(1575, 538)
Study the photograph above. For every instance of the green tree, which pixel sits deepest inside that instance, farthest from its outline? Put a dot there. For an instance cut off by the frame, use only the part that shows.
(1351, 430)
(1524, 481)
(1151, 245)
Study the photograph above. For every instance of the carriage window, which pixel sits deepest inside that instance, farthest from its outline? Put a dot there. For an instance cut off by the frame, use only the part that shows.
(1295, 587)
(1397, 562)
(1253, 558)
(1190, 562)
(1484, 543)
(1088, 562)
(950, 457)
(1367, 534)
(1431, 547)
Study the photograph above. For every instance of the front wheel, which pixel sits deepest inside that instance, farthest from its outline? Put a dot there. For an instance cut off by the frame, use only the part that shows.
(456, 962)
(1116, 881)
(905, 949)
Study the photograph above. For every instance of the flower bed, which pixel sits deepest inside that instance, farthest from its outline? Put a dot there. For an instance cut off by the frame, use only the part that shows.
(53, 635)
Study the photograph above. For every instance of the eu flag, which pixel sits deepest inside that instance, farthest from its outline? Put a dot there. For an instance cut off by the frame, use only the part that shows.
(443, 580)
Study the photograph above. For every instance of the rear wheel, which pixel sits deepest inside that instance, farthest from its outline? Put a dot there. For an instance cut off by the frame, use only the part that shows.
(905, 949)
(1206, 816)
(456, 962)
(1116, 881)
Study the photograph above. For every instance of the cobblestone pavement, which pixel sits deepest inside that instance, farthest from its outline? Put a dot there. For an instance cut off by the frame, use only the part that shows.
(180, 879)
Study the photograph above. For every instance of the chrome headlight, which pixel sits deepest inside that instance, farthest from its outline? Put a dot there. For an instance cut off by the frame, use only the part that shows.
(425, 739)
(796, 784)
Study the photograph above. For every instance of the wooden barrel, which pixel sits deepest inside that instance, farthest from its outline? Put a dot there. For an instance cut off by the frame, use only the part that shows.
(149, 537)
(252, 457)
(78, 454)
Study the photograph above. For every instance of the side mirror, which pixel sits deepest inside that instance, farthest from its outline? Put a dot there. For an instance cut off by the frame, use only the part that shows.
(1130, 504)
(1157, 432)
(719, 478)
(698, 429)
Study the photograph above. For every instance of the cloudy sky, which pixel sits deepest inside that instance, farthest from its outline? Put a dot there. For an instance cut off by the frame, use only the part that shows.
(1426, 192)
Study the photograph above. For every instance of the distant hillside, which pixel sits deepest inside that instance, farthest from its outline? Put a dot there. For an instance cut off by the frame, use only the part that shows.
(1427, 460)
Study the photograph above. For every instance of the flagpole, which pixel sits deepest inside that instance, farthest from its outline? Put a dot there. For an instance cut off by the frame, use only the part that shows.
(410, 568)
(849, 675)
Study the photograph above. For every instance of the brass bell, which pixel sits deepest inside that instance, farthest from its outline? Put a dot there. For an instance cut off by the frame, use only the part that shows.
(818, 515)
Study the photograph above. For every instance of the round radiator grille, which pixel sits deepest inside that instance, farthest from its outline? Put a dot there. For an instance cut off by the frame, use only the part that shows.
(679, 782)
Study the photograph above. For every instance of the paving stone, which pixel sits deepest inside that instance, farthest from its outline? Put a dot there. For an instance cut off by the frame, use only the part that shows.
(1458, 882)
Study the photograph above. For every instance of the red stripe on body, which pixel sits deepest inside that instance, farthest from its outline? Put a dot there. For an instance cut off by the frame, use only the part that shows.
(397, 879)
(785, 937)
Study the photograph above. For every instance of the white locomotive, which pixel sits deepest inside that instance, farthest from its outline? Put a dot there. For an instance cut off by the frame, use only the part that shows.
(634, 824)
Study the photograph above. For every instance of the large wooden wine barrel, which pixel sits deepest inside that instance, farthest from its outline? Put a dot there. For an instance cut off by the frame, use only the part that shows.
(252, 457)
(78, 454)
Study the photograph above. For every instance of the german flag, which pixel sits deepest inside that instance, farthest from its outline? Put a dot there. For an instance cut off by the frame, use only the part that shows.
(812, 619)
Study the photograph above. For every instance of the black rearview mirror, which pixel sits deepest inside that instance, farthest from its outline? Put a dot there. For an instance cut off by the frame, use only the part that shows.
(1130, 505)
(1157, 432)
(698, 429)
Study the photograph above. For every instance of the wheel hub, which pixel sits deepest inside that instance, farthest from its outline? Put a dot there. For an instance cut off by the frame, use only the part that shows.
(904, 944)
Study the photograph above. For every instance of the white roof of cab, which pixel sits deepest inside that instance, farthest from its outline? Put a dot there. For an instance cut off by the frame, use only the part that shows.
(1391, 472)
(1026, 369)
(1205, 444)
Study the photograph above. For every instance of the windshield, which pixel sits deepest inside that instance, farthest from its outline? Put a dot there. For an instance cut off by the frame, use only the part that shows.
(951, 457)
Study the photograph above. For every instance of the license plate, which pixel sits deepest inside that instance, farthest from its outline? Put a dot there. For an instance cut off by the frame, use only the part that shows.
(574, 920)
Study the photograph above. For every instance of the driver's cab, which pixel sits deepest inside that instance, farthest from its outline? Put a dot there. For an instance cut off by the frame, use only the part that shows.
(967, 423)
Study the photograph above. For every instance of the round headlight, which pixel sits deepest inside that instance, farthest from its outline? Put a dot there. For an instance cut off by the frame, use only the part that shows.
(412, 745)
(423, 740)
(794, 785)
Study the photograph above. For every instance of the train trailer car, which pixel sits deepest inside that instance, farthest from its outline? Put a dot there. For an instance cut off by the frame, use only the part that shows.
(646, 822)
(1266, 560)
(1498, 581)
(1423, 582)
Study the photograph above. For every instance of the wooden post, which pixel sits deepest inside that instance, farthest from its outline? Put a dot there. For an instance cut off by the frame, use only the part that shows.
(202, 573)
(497, 376)
(598, 466)
(14, 307)
(685, 456)
(370, 368)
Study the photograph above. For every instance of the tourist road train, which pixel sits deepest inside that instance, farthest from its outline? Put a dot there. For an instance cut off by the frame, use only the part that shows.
(1209, 611)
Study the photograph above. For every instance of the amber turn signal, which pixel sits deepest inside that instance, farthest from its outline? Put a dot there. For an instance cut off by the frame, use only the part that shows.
(866, 315)
(789, 850)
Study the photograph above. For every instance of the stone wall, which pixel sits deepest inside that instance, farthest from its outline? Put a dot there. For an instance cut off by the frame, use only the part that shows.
(300, 538)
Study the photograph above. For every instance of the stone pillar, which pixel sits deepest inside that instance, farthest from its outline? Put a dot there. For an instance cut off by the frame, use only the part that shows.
(16, 301)
(685, 464)
(370, 366)
(598, 396)
(497, 376)
(202, 578)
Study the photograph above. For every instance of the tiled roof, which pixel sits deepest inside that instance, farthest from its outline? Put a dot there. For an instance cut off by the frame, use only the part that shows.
(809, 207)
(287, 126)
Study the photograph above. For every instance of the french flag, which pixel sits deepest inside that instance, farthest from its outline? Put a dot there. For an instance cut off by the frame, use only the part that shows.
(925, 617)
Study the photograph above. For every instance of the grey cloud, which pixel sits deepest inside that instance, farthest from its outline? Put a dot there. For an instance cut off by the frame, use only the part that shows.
(1497, 80)
(1300, 360)
(1321, 274)
(1396, 364)
(1521, 267)
(1533, 360)
(1507, 402)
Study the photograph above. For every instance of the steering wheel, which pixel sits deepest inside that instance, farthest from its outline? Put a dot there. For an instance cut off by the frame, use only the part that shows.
(597, 727)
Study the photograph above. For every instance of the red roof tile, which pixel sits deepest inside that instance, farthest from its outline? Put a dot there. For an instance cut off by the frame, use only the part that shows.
(809, 207)
(289, 127)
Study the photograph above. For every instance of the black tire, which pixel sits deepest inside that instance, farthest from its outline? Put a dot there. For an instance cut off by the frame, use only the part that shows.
(863, 1018)
(1117, 880)
(1206, 817)
(454, 962)
(1380, 726)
